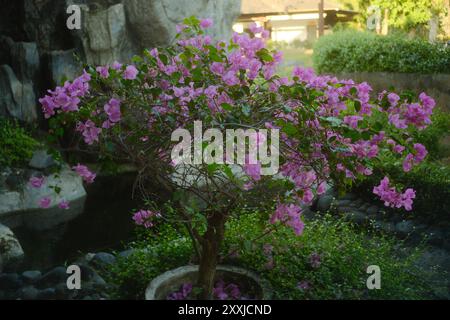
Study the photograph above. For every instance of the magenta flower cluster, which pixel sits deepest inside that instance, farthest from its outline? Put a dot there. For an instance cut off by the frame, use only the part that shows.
(67, 97)
(145, 218)
(392, 198)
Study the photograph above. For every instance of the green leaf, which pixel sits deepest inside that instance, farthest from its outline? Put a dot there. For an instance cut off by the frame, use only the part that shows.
(264, 55)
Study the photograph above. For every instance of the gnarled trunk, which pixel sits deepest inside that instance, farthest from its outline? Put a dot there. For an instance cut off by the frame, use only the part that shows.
(212, 240)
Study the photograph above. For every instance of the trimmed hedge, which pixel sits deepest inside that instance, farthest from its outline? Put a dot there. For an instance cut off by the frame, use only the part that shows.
(355, 51)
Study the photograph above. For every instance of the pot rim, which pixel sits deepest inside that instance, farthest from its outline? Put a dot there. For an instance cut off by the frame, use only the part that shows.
(150, 292)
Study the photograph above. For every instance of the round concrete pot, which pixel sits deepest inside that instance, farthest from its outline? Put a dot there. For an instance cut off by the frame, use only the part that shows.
(171, 281)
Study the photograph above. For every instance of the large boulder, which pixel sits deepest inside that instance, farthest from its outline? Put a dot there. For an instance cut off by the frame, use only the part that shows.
(104, 35)
(165, 14)
(11, 252)
(21, 208)
(17, 99)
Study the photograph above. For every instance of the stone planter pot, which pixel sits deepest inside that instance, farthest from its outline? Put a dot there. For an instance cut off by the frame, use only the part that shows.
(171, 281)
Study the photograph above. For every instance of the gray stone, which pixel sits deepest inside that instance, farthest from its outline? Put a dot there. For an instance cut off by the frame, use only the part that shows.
(104, 35)
(387, 227)
(404, 228)
(98, 281)
(343, 203)
(356, 217)
(349, 196)
(10, 249)
(41, 160)
(47, 294)
(435, 236)
(165, 14)
(10, 281)
(17, 99)
(22, 208)
(29, 293)
(372, 210)
(31, 276)
(53, 277)
(62, 66)
(324, 203)
(356, 203)
(126, 253)
(103, 259)
(25, 60)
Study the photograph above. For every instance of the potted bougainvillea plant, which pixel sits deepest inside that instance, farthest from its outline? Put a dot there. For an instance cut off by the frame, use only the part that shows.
(330, 132)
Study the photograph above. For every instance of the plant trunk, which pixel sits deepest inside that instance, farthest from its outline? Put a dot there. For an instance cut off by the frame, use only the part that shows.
(212, 241)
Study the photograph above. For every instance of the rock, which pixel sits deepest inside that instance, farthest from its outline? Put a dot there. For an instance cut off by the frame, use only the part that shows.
(53, 277)
(104, 35)
(63, 293)
(28, 213)
(324, 203)
(364, 207)
(10, 281)
(28, 293)
(343, 203)
(103, 259)
(404, 228)
(372, 210)
(47, 294)
(17, 99)
(62, 66)
(10, 202)
(387, 227)
(308, 214)
(41, 160)
(30, 277)
(165, 14)
(86, 272)
(126, 253)
(10, 249)
(349, 196)
(356, 203)
(356, 217)
(435, 236)
(98, 281)
(25, 60)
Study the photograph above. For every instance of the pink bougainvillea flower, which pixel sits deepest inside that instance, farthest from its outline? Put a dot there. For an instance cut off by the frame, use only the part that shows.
(112, 109)
(392, 198)
(289, 214)
(206, 23)
(322, 188)
(37, 182)
(116, 66)
(145, 217)
(65, 205)
(393, 99)
(45, 202)
(84, 172)
(103, 71)
(352, 121)
(130, 73)
(90, 131)
(253, 171)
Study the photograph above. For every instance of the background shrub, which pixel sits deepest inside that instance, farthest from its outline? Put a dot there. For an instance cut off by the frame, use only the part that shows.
(16, 146)
(353, 51)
